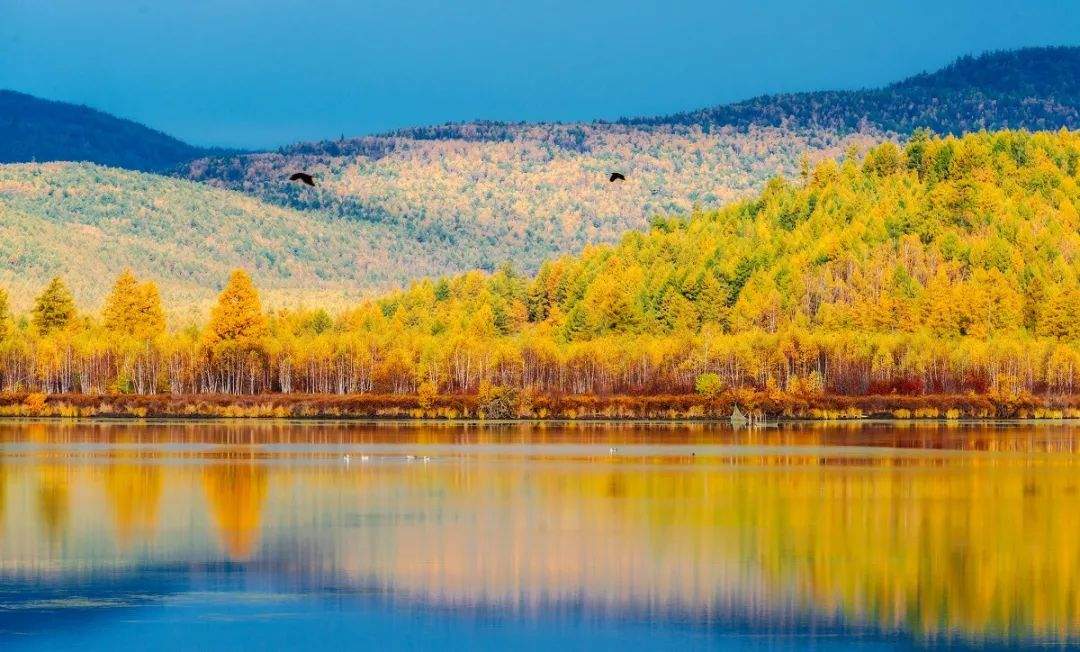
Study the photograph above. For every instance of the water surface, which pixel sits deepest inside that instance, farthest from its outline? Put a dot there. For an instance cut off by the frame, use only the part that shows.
(582, 536)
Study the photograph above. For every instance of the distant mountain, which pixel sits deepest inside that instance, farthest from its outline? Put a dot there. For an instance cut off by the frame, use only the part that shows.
(34, 129)
(1033, 88)
(86, 223)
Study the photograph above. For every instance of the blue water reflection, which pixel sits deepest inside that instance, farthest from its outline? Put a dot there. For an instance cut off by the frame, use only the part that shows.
(254, 535)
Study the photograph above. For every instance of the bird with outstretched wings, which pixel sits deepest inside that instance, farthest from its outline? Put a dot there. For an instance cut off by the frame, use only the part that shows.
(303, 177)
(616, 176)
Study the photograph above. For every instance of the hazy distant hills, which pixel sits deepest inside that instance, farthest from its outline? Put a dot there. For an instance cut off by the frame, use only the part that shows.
(1033, 88)
(33, 129)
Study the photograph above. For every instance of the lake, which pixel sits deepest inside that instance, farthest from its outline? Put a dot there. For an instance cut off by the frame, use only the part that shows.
(249, 535)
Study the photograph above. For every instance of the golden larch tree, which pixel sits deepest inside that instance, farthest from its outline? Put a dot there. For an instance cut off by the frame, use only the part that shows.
(5, 315)
(133, 309)
(238, 317)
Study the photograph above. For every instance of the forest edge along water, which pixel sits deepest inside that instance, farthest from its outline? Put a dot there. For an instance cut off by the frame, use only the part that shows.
(502, 403)
(934, 277)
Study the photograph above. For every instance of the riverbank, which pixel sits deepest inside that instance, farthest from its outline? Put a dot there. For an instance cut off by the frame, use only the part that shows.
(522, 405)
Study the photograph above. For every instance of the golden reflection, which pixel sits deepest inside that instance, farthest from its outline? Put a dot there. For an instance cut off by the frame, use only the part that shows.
(3, 495)
(236, 493)
(227, 436)
(134, 493)
(53, 500)
(938, 532)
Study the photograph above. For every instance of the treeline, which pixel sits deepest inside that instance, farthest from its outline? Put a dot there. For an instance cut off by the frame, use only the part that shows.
(948, 267)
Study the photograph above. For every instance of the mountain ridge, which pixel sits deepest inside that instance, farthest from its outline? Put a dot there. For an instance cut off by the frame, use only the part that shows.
(1035, 88)
(34, 129)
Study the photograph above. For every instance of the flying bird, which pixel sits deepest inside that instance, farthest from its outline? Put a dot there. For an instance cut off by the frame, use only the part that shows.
(615, 176)
(303, 177)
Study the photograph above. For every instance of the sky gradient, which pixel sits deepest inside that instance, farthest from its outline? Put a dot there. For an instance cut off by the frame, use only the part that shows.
(262, 74)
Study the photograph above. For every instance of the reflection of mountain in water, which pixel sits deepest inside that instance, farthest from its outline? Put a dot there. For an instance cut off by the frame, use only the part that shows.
(940, 543)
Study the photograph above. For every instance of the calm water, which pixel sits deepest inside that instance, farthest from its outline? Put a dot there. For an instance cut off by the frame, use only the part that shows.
(259, 535)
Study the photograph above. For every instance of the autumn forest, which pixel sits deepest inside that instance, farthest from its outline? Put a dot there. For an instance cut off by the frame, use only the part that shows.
(947, 268)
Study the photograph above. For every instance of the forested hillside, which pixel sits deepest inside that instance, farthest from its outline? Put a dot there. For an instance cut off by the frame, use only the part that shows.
(946, 266)
(33, 129)
(543, 191)
(86, 223)
(1032, 88)
(477, 194)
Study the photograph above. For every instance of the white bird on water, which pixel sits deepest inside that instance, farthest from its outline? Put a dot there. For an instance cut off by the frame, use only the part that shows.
(613, 450)
(364, 458)
(346, 458)
(410, 458)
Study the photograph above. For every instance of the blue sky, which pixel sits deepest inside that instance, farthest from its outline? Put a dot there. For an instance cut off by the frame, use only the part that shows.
(260, 74)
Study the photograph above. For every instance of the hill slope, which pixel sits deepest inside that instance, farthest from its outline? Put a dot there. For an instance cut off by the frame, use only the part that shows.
(86, 223)
(476, 194)
(952, 265)
(475, 204)
(33, 129)
(1031, 88)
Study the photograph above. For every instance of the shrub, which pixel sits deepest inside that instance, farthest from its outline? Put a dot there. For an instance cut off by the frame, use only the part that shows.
(709, 385)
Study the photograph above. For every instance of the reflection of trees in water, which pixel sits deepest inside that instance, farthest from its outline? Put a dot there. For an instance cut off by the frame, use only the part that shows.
(988, 551)
(973, 544)
(236, 493)
(985, 549)
(134, 493)
(3, 496)
(53, 497)
(234, 438)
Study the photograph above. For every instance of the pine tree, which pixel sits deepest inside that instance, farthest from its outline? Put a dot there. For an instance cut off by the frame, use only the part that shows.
(119, 312)
(151, 316)
(238, 318)
(134, 310)
(54, 308)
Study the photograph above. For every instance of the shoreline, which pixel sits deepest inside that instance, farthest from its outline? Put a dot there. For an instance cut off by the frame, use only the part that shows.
(774, 408)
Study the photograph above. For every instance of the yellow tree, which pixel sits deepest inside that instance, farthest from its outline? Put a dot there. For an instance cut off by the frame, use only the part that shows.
(134, 319)
(5, 315)
(134, 310)
(54, 308)
(236, 333)
(238, 317)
